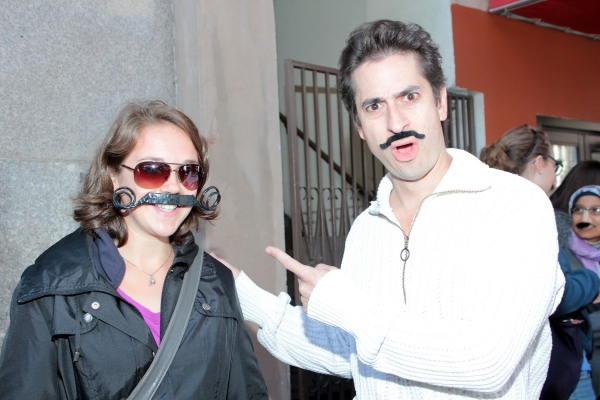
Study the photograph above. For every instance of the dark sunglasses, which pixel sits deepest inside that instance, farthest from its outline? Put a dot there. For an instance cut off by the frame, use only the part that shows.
(153, 174)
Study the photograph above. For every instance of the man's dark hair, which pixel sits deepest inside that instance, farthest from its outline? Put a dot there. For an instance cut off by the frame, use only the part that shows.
(377, 40)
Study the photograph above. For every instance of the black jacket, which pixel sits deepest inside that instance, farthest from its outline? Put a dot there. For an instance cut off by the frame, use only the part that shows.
(62, 306)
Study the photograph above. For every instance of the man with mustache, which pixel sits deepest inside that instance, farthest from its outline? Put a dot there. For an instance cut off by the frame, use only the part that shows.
(444, 290)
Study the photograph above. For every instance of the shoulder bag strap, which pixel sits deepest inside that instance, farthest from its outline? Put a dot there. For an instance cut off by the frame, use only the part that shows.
(152, 379)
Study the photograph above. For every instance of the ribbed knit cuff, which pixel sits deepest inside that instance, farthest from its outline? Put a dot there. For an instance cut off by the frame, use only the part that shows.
(257, 304)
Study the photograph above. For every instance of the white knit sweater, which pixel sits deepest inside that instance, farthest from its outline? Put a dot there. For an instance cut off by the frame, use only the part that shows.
(480, 283)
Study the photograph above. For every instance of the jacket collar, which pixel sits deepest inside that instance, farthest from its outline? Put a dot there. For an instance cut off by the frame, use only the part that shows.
(66, 268)
(466, 174)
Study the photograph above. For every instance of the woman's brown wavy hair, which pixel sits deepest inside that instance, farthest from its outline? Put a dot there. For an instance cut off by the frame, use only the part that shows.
(510, 152)
(94, 207)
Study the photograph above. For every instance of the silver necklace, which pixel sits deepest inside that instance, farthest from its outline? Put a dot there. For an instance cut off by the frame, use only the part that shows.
(152, 281)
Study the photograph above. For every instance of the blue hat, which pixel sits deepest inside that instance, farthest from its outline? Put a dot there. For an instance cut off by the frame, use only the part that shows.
(590, 190)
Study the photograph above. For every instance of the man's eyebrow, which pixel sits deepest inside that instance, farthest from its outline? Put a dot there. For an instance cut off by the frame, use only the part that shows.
(407, 90)
(370, 101)
(373, 100)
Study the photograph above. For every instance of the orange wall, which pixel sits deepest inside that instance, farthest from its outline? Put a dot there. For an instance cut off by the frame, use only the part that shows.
(524, 70)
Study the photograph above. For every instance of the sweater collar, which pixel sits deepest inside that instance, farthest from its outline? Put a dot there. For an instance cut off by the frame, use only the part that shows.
(466, 174)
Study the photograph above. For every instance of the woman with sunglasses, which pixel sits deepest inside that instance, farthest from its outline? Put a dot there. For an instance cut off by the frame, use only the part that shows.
(527, 151)
(88, 317)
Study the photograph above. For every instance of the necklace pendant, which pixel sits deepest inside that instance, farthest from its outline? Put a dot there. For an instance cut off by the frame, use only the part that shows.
(152, 281)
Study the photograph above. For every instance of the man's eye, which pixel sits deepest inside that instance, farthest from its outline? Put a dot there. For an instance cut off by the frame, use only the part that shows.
(410, 97)
(374, 107)
(595, 210)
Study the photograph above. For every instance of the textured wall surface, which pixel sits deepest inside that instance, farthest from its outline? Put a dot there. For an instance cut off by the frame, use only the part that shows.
(65, 69)
(227, 83)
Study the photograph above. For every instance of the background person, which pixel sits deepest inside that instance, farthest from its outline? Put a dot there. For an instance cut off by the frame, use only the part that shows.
(88, 317)
(583, 252)
(583, 174)
(527, 151)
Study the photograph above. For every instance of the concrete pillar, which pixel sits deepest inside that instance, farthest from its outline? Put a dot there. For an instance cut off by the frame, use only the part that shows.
(65, 69)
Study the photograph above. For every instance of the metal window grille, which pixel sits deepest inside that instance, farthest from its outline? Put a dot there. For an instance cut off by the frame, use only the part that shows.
(459, 127)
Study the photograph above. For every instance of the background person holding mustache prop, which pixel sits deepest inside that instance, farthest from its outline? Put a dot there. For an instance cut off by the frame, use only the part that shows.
(444, 291)
(583, 252)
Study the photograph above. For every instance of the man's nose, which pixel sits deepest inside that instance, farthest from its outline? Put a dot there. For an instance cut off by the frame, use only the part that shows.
(396, 119)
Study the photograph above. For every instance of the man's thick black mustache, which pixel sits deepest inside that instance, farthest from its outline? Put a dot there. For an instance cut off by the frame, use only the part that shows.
(582, 225)
(401, 135)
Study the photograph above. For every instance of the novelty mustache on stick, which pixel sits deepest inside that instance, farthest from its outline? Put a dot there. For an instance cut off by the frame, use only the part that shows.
(210, 199)
(401, 135)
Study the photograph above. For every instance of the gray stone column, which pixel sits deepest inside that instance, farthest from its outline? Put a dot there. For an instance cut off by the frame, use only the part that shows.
(66, 67)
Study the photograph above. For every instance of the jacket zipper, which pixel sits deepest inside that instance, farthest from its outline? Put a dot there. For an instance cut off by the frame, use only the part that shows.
(405, 252)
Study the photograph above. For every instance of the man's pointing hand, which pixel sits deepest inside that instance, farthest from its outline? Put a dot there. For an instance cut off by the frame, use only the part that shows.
(308, 277)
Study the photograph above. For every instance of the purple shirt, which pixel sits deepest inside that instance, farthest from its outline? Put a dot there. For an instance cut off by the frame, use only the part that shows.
(152, 319)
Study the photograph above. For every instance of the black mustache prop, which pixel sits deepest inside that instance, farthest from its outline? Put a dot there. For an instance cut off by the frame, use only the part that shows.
(167, 198)
(401, 135)
(582, 225)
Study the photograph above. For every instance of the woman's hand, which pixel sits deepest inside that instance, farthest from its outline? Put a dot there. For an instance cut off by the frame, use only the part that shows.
(234, 270)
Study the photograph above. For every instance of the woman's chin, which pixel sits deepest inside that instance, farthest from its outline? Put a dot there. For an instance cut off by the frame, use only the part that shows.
(588, 236)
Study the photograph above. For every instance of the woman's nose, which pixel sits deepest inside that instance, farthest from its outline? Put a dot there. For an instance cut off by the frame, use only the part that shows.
(585, 217)
(172, 184)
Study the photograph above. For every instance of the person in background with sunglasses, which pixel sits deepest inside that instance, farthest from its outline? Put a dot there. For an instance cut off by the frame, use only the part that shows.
(583, 253)
(88, 317)
(527, 151)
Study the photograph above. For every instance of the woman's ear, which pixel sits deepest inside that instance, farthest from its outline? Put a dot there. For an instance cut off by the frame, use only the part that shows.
(114, 177)
(538, 164)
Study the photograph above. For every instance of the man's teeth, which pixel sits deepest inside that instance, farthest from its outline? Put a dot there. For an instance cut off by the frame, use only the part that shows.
(166, 207)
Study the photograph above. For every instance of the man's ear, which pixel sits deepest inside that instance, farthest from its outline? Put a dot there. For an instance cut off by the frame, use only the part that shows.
(360, 131)
(443, 104)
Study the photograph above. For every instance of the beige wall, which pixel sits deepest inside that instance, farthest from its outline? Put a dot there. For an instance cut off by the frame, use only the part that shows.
(226, 82)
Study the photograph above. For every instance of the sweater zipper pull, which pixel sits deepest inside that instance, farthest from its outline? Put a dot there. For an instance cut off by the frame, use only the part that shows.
(405, 253)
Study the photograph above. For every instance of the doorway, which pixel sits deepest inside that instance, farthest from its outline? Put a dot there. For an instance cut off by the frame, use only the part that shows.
(572, 140)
